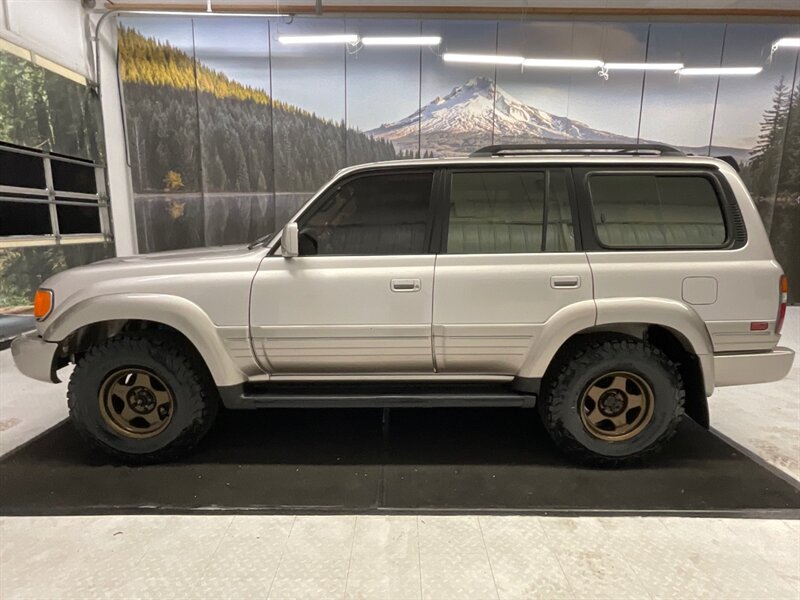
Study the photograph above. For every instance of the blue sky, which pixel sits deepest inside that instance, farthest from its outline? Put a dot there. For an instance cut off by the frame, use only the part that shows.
(383, 83)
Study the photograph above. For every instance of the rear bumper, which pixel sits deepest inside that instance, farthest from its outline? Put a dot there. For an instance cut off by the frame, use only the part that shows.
(34, 357)
(755, 367)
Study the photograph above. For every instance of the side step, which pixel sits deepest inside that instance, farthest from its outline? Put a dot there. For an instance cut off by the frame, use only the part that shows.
(372, 395)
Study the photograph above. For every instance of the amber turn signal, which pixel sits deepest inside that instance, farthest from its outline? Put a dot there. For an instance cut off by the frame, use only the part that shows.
(42, 304)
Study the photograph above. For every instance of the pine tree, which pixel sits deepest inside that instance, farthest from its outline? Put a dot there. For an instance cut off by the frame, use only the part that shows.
(765, 157)
(789, 179)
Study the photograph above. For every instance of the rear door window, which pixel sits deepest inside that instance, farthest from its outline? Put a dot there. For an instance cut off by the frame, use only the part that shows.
(656, 211)
(509, 212)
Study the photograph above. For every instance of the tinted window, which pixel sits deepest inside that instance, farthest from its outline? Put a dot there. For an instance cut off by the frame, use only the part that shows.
(21, 170)
(77, 219)
(374, 214)
(506, 212)
(24, 218)
(72, 177)
(661, 211)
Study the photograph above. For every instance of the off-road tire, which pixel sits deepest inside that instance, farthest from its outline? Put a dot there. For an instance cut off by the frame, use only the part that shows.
(564, 386)
(196, 399)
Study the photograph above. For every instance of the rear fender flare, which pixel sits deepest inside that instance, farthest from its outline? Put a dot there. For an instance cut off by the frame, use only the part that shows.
(565, 323)
(679, 318)
(675, 316)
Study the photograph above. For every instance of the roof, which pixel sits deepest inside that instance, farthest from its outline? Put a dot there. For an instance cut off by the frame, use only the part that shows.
(557, 158)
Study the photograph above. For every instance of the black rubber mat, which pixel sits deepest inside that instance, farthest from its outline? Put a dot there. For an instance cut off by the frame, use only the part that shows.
(351, 460)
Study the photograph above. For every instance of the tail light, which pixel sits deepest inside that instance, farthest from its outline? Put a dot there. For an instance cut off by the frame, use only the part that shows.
(784, 299)
(42, 303)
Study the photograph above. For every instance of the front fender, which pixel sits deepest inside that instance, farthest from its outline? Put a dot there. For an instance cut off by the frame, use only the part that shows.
(174, 311)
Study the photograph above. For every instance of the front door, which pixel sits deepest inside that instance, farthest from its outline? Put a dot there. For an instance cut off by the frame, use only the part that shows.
(359, 297)
(508, 263)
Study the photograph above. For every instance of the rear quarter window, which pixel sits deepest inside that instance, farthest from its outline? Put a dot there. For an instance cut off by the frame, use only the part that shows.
(656, 211)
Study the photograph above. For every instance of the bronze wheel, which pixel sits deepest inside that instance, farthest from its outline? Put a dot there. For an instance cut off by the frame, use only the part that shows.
(616, 406)
(136, 403)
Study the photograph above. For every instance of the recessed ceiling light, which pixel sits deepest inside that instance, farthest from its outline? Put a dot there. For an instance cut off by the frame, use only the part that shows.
(489, 59)
(339, 38)
(720, 70)
(429, 40)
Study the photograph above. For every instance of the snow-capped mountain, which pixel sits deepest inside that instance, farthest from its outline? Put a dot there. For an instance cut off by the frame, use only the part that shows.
(464, 119)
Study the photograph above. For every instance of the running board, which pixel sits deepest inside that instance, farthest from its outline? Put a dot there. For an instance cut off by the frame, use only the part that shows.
(372, 395)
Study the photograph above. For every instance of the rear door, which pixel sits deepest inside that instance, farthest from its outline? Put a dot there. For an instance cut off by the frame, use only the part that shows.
(508, 261)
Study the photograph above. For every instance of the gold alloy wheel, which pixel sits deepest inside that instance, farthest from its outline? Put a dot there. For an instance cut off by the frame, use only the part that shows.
(616, 406)
(136, 403)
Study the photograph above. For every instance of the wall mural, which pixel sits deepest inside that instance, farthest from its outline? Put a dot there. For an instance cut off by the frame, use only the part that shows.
(230, 130)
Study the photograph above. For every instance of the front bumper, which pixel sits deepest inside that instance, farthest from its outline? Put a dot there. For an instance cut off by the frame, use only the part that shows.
(34, 357)
(753, 367)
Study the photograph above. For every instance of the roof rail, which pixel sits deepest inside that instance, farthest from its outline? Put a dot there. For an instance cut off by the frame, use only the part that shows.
(576, 148)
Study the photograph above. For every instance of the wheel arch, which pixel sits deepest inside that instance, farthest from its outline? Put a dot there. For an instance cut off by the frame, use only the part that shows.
(672, 326)
(97, 318)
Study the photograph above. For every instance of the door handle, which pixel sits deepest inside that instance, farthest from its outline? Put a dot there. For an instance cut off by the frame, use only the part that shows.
(562, 282)
(406, 285)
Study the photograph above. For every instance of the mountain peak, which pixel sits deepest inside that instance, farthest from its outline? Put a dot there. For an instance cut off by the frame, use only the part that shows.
(480, 82)
(477, 110)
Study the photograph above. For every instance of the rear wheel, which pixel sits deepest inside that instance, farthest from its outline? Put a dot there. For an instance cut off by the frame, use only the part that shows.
(613, 402)
(142, 397)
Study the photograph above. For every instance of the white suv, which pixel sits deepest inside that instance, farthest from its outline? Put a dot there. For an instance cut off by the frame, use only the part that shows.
(611, 286)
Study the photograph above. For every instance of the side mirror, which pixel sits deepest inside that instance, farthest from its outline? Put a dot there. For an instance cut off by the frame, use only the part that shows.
(290, 245)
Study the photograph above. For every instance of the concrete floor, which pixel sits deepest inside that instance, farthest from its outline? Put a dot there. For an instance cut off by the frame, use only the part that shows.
(411, 556)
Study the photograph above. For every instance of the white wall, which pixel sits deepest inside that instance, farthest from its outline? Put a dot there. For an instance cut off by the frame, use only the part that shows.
(50, 28)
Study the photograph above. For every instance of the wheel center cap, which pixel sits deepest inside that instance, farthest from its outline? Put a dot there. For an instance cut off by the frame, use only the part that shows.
(612, 403)
(141, 400)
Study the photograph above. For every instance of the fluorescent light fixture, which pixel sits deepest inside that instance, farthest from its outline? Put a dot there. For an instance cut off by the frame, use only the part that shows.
(787, 42)
(189, 13)
(720, 70)
(487, 59)
(425, 40)
(564, 63)
(338, 38)
(643, 66)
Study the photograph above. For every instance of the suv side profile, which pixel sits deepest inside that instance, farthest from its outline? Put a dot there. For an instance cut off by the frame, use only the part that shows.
(613, 287)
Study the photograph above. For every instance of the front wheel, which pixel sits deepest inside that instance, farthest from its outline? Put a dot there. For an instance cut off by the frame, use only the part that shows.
(613, 402)
(142, 397)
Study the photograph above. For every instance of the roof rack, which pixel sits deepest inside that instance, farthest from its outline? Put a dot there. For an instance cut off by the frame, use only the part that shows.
(585, 148)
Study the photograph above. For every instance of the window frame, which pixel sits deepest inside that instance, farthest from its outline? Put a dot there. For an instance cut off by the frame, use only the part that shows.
(336, 185)
(54, 198)
(439, 241)
(735, 233)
